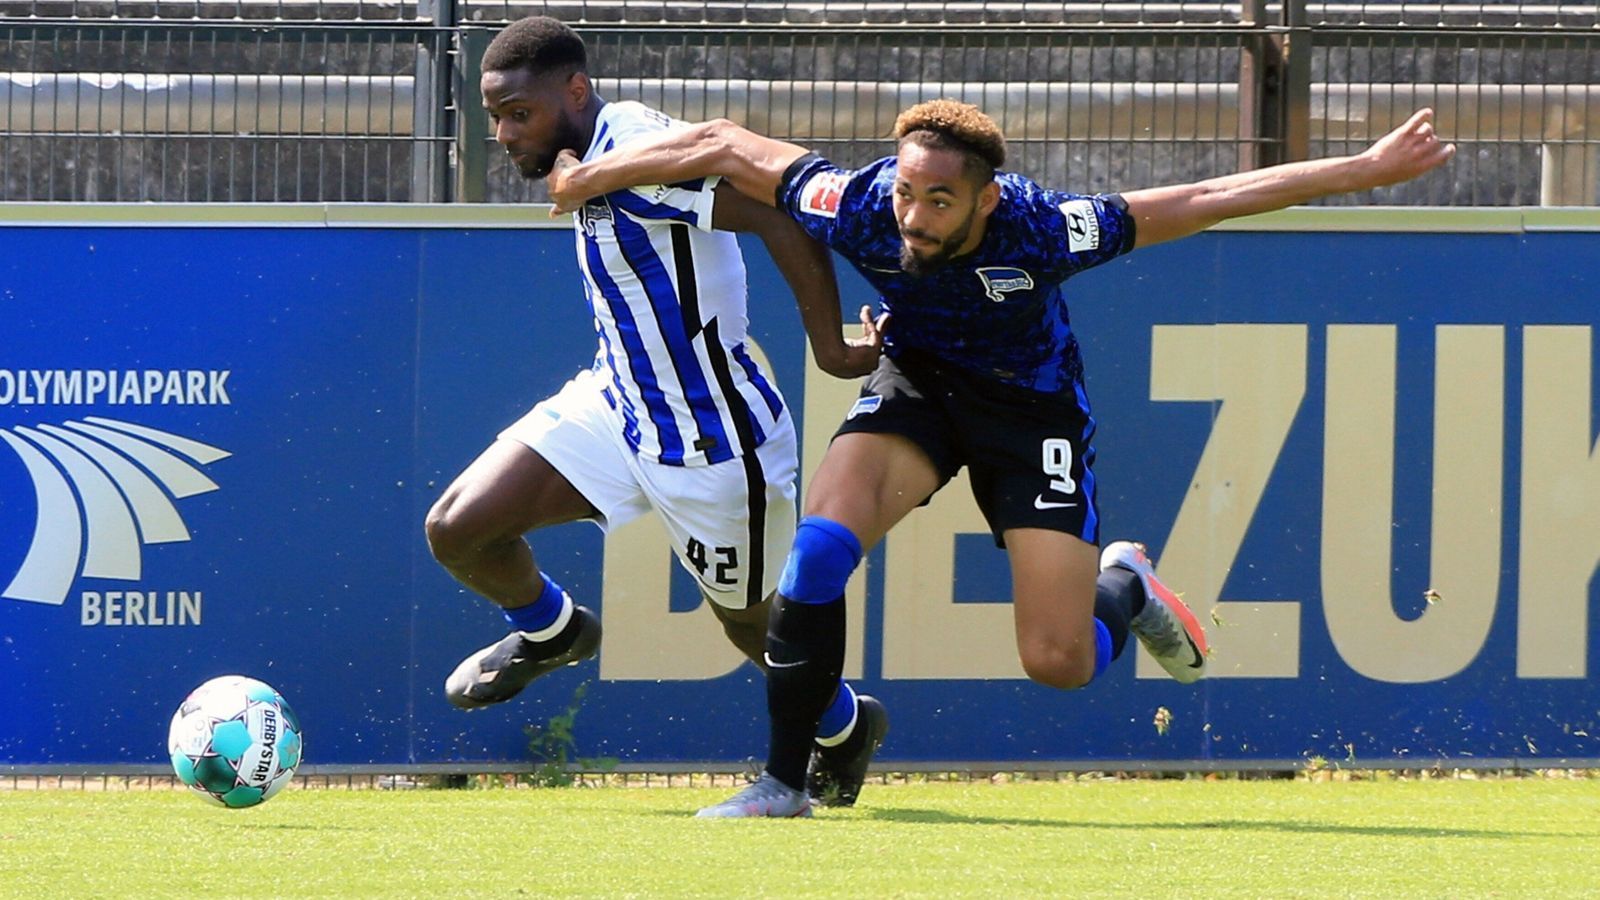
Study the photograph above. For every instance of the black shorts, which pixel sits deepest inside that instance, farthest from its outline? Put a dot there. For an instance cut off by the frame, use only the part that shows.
(1029, 453)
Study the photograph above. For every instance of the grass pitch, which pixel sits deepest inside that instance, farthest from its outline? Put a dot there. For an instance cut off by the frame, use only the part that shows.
(1384, 837)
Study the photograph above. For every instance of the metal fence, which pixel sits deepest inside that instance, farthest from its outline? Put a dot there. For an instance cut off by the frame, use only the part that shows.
(1138, 105)
(1522, 107)
(217, 111)
(306, 100)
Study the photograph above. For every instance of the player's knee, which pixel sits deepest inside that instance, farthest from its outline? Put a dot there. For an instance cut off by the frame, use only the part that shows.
(822, 557)
(1062, 665)
(451, 536)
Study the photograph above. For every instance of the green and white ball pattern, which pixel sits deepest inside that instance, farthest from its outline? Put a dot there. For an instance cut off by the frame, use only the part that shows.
(235, 741)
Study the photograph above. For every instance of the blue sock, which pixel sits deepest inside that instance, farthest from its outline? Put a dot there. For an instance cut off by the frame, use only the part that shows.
(823, 556)
(1102, 648)
(542, 612)
(838, 717)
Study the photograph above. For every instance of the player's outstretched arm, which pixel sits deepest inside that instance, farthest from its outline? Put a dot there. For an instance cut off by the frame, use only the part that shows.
(1166, 213)
(808, 268)
(752, 163)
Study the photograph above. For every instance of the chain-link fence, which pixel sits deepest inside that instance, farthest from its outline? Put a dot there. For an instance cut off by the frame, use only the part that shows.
(1090, 109)
(213, 111)
(306, 100)
(1523, 109)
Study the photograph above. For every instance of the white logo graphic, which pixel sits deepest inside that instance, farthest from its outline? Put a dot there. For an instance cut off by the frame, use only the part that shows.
(997, 280)
(593, 213)
(1040, 502)
(774, 664)
(863, 406)
(126, 477)
(1083, 226)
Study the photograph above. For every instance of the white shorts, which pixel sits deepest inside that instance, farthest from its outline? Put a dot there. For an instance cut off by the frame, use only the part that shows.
(731, 523)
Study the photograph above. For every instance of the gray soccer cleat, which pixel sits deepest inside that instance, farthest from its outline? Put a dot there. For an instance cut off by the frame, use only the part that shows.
(836, 781)
(499, 671)
(1165, 626)
(766, 797)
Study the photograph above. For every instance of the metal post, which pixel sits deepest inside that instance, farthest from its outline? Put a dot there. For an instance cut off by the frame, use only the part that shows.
(1569, 162)
(1275, 88)
(1259, 64)
(1568, 174)
(430, 158)
(1296, 83)
(472, 122)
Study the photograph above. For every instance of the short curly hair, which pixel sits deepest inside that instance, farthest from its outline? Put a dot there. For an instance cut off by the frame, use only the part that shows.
(953, 125)
(539, 44)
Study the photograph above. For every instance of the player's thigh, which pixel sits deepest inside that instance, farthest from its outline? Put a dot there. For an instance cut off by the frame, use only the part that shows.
(509, 489)
(582, 469)
(1053, 588)
(869, 481)
(895, 448)
(730, 523)
(1032, 462)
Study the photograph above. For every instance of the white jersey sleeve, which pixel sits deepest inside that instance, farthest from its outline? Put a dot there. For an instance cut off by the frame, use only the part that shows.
(685, 201)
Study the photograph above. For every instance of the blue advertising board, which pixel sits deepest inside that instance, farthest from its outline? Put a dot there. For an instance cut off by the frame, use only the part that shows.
(1365, 458)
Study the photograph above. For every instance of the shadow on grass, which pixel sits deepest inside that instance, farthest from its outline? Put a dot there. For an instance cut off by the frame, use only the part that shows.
(939, 817)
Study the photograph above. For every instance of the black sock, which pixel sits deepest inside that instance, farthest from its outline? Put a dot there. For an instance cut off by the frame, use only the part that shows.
(1118, 597)
(805, 656)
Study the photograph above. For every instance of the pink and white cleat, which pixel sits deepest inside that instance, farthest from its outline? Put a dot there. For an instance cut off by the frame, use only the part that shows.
(1165, 626)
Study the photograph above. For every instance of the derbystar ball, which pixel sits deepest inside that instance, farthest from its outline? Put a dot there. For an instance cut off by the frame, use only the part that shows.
(235, 741)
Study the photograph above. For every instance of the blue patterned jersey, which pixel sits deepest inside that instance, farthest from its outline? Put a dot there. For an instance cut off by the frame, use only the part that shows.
(997, 310)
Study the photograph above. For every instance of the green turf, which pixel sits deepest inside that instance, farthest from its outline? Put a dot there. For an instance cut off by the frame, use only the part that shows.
(1444, 838)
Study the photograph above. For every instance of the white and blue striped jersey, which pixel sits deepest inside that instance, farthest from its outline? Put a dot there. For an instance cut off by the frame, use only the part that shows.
(669, 301)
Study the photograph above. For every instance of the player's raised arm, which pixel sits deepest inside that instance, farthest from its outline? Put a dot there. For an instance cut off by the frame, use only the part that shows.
(752, 163)
(808, 268)
(1166, 213)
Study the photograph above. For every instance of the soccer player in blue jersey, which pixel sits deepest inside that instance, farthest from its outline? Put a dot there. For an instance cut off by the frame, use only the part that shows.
(675, 414)
(981, 370)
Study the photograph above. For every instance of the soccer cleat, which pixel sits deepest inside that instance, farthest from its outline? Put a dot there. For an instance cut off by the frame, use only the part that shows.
(1165, 626)
(766, 797)
(497, 672)
(837, 782)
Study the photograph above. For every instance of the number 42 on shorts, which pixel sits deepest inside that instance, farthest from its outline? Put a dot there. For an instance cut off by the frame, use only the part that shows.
(726, 564)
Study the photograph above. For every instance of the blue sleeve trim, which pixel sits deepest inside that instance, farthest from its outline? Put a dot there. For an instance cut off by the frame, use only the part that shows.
(789, 176)
(636, 205)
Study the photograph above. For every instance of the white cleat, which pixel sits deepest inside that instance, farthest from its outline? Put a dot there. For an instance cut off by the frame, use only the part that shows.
(766, 797)
(1165, 626)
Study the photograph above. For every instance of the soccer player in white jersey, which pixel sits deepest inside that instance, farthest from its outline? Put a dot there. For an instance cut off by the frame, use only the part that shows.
(674, 415)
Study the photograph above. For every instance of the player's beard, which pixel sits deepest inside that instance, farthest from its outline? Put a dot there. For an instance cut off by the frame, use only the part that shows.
(912, 264)
(567, 137)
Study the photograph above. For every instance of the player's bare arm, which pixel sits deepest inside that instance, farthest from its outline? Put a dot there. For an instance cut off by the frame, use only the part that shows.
(750, 162)
(808, 268)
(1166, 213)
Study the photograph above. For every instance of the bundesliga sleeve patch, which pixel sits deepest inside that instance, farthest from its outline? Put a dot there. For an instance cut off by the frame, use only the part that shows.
(1083, 226)
(821, 194)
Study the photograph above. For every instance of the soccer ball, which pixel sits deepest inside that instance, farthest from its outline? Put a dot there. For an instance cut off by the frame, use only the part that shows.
(235, 741)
